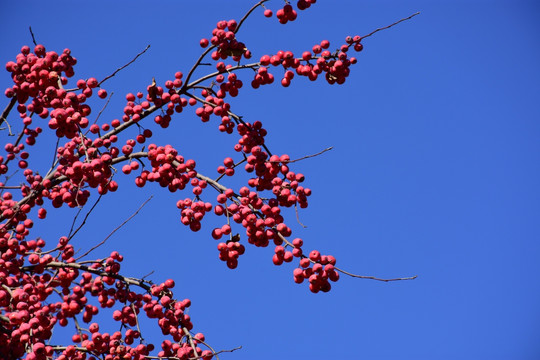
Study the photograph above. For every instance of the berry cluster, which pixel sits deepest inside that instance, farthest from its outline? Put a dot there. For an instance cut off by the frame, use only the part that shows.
(38, 76)
(168, 168)
(320, 274)
(334, 66)
(224, 38)
(287, 13)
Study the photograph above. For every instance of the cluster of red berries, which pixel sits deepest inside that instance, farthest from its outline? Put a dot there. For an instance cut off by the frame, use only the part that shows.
(229, 252)
(13, 152)
(287, 13)
(231, 86)
(224, 38)
(334, 66)
(38, 76)
(215, 105)
(168, 168)
(320, 274)
(193, 212)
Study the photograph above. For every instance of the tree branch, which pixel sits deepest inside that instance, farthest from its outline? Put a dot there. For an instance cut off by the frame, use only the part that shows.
(389, 26)
(8, 108)
(116, 229)
(123, 67)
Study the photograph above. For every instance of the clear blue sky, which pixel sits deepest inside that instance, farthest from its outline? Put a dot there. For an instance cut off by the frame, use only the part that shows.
(434, 172)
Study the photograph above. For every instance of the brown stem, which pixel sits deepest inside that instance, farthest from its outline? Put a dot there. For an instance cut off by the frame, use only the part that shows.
(8, 108)
(373, 277)
(33, 37)
(62, 265)
(116, 229)
(247, 14)
(123, 67)
(389, 26)
(304, 157)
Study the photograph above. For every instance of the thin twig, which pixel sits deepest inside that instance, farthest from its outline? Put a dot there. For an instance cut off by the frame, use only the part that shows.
(103, 108)
(211, 348)
(75, 220)
(234, 166)
(147, 275)
(247, 14)
(123, 67)
(55, 159)
(71, 235)
(10, 132)
(190, 339)
(298, 216)
(137, 321)
(304, 157)
(116, 229)
(6, 111)
(215, 353)
(389, 26)
(33, 37)
(373, 277)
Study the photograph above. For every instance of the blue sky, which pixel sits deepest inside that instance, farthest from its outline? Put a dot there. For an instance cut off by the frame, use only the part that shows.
(434, 173)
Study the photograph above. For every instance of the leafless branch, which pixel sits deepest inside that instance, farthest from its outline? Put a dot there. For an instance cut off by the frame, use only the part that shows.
(55, 159)
(33, 37)
(304, 157)
(373, 277)
(248, 13)
(389, 26)
(190, 339)
(298, 216)
(71, 235)
(123, 67)
(104, 107)
(144, 284)
(116, 229)
(6, 111)
(147, 275)
(217, 352)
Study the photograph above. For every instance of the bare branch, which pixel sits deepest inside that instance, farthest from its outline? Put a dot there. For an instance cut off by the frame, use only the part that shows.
(123, 67)
(298, 216)
(33, 37)
(389, 26)
(116, 229)
(304, 157)
(144, 284)
(190, 339)
(247, 14)
(215, 353)
(71, 235)
(6, 111)
(373, 277)
(103, 108)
